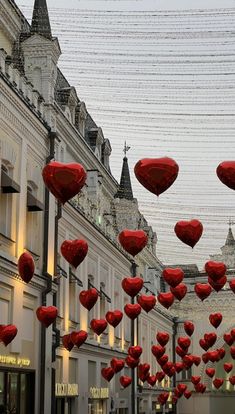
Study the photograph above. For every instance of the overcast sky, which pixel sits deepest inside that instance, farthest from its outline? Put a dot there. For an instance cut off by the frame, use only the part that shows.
(165, 82)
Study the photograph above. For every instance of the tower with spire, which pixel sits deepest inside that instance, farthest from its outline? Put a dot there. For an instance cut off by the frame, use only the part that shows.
(227, 255)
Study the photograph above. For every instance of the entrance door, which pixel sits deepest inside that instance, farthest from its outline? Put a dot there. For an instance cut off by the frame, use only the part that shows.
(16, 392)
(60, 406)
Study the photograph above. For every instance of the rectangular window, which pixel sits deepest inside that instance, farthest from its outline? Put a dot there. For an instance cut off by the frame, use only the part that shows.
(92, 374)
(6, 214)
(73, 370)
(59, 369)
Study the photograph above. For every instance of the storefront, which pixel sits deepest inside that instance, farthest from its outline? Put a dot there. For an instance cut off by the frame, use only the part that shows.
(97, 401)
(16, 391)
(66, 395)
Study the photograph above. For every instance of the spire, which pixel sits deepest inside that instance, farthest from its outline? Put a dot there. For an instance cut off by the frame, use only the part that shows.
(125, 188)
(230, 241)
(40, 20)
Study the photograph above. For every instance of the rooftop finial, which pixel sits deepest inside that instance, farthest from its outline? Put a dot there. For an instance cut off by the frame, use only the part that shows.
(231, 223)
(126, 149)
(125, 188)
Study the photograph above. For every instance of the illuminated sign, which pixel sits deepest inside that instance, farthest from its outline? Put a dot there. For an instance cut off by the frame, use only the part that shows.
(66, 390)
(12, 360)
(99, 393)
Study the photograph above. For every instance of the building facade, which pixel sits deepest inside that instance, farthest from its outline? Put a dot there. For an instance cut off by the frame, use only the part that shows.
(43, 119)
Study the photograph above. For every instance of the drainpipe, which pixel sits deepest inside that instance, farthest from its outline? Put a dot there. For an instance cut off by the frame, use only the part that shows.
(48, 289)
(175, 324)
(133, 374)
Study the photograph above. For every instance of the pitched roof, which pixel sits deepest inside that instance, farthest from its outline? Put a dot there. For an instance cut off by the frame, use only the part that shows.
(40, 21)
(230, 241)
(125, 188)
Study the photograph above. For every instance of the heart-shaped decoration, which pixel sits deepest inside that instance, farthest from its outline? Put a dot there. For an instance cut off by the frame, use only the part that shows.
(184, 342)
(182, 388)
(162, 338)
(156, 174)
(132, 285)
(166, 299)
(160, 376)
(67, 342)
(143, 376)
(163, 360)
(173, 276)
(196, 360)
(114, 317)
(144, 368)
(125, 381)
(232, 285)
(181, 352)
(151, 380)
(179, 366)
(219, 284)
(189, 232)
(179, 291)
(174, 399)
(132, 311)
(222, 352)
(232, 380)
(213, 356)
(215, 319)
(232, 333)
(202, 290)
(98, 326)
(226, 173)
(117, 364)
(210, 372)
(26, 267)
(189, 328)
(210, 338)
(228, 339)
(215, 270)
(228, 367)
(47, 315)
(133, 241)
(64, 181)
(88, 298)
(218, 382)
(107, 373)
(132, 362)
(188, 361)
(195, 379)
(147, 302)
(232, 352)
(163, 397)
(74, 251)
(200, 388)
(78, 337)
(8, 333)
(135, 351)
(187, 394)
(169, 369)
(158, 350)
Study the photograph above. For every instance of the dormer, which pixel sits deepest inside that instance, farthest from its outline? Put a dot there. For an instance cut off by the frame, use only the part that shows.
(106, 152)
(68, 101)
(80, 117)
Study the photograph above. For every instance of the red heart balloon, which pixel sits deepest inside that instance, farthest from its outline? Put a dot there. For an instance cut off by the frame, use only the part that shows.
(160, 376)
(133, 241)
(226, 173)
(232, 380)
(117, 364)
(78, 337)
(187, 394)
(200, 388)
(215, 270)
(114, 317)
(163, 397)
(232, 333)
(132, 285)
(169, 369)
(156, 174)
(189, 328)
(232, 285)
(215, 319)
(174, 399)
(195, 379)
(8, 333)
(184, 342)
(219, 284)
(143, 377)
(196, 360)
(158, 350)
(210, 338)
(202, 290)
(213, 356)
(74, 251)
(203, 344)
(205, 358)
(179, 366)
(228, 367)
(189, 232)
(125, 381)
(228, 339)
(132, 362)
(152, 379)
(98, 326)
(67, 342)
(173, 276)
(179, 291)
(162, 338)
(181, 352)
(232, 352)
(218, 382)
(188, 361)
(146, 302)
(182, 387)
(26, 267)
(132, 311)
(221, 352)
(135, 351)
(163, 360)
(144, 368)
(47, 315)
(64, 181)
(166, 299)
(88, 298)
(210, 372)
(107, 373)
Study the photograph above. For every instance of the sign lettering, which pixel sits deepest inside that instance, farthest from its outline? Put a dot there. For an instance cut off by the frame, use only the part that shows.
(66, 390)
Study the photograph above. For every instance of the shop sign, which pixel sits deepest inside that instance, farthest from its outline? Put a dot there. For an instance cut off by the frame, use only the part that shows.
(99, 393)
(12, 360)
(66, 390)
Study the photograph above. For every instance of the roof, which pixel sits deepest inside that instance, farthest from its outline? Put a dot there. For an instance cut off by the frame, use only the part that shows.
(125, 188)
(230, 241)
(40, 20)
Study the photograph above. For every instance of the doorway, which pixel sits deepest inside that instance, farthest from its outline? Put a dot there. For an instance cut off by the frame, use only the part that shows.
(16, 392)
